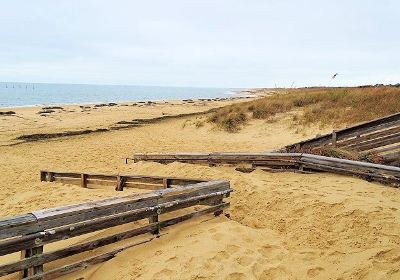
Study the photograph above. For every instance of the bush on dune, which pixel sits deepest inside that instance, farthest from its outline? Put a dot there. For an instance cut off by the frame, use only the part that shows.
(230, 118)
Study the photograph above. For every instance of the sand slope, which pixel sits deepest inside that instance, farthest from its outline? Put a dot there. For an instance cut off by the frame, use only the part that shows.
(282, 226)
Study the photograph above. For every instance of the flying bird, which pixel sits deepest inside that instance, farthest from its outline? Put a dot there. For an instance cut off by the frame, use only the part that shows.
(334, 76)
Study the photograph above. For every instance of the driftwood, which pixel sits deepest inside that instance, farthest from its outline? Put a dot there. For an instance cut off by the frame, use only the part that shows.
(31, 232)
(286, 162)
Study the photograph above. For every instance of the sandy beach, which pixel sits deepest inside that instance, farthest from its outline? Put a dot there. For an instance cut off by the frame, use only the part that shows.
(281, 225)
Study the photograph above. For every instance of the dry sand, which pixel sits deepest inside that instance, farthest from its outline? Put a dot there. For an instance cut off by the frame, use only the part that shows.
(282, 225)
(55, 119)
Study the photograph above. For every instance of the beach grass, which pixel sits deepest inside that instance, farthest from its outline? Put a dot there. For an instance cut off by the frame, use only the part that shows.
(336, 107)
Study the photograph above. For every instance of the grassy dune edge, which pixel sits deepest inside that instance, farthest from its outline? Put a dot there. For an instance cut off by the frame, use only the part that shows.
(337, 107)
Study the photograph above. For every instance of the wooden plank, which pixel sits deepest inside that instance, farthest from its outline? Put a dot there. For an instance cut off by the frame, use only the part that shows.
(370, 136)
(387, 149)
(392, 156)
(18, 225)
(375, 143)
(144, 186)
(173, 206)
(368, 176)
(375, 166)
(228, 158)
(66, 180)
(351, 168)
(65, 174)
(192, 190)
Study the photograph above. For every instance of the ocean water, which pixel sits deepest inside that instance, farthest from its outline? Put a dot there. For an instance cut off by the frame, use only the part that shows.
(28, 94)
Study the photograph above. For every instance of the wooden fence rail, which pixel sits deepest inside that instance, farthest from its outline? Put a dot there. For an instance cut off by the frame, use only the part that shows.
(286, 161)
(380, 136)
(29, 233)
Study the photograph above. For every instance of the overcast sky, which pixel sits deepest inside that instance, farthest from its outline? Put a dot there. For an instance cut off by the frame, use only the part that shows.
(222, 43)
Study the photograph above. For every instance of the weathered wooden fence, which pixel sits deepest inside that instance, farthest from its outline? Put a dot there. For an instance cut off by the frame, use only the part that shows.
(29, 233)
(286, 161)
(380, 136)
(120, 181)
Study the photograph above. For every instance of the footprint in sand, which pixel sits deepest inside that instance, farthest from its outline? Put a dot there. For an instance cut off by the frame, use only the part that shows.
(232, 249)
(312, 272)
(268, 251)
(391, 256)
(217, 236)
(245, 260)
(275, 273)
(220, 256)
(163, 273)
(172, 259)
(212, 230)
(236, 276)
(159, 252)
(257, 267)
(309, 255)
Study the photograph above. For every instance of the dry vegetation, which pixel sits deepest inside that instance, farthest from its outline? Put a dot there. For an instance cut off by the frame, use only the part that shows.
(323, 106)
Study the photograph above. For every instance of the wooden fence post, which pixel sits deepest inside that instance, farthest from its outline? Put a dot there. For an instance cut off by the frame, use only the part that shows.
(84, 180)
(25, 254)
(334, 138)
(42, 176)
(121, 180)
(37, 251)
(166, 183)
(155, 219)
(51, 176)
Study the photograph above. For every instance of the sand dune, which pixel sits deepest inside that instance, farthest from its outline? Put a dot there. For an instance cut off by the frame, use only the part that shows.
(281, 225)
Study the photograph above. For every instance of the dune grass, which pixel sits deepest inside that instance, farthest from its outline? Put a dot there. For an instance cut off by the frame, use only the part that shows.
(337, 107)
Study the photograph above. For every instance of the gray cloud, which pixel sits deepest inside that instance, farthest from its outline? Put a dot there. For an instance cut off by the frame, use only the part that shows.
(200, 43)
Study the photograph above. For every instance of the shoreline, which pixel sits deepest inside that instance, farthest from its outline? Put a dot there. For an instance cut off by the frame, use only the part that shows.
(245, 94)
(40, 123)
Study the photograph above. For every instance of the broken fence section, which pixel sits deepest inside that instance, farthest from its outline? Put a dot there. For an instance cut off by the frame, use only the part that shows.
(380, 136)
(286, 161)
(30, 233)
